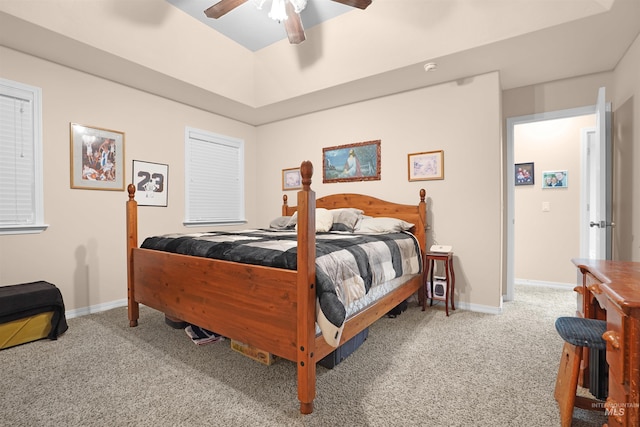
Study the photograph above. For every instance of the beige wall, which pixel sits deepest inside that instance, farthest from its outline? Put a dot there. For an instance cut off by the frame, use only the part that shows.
(83, 250)
(626, 148)
(462, 118)
(557, 95)
(544, 241)
(623, 91)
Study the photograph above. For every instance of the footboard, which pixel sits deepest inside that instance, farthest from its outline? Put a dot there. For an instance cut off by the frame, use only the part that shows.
(251, 304)
(270, 308)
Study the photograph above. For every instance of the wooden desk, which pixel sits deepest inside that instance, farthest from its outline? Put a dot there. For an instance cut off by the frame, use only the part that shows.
(610, 290)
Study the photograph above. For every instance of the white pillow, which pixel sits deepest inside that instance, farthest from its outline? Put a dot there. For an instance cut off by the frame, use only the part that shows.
(324, 220)
(382, 225)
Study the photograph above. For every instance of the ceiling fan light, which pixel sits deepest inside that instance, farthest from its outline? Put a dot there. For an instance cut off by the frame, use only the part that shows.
(298, 5)
(278, 11)
(259, 3)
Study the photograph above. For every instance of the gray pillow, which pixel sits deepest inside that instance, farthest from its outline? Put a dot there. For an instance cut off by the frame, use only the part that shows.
(345, 219)
(281, 223)
(383, 225)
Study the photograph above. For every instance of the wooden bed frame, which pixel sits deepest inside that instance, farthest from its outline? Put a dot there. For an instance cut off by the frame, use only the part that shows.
(271, 309)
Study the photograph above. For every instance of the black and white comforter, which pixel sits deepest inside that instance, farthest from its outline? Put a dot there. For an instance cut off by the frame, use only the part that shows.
(347, 265)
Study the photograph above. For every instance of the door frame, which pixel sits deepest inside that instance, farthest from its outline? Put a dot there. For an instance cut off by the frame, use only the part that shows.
(511, 123)
(585, 197)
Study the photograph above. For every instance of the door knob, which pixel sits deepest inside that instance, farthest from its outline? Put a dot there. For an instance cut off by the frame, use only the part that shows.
(601, 224)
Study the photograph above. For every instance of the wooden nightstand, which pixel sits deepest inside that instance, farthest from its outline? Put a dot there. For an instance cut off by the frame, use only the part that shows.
(449, 278)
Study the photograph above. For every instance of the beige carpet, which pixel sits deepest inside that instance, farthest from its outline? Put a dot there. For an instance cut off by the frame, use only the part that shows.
(420, 369)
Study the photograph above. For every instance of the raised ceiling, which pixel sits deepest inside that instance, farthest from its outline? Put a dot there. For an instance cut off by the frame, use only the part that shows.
(251, 27)
(358, 55)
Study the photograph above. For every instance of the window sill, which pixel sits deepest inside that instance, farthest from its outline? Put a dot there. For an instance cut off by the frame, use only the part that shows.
(23, 229)
(209, 223)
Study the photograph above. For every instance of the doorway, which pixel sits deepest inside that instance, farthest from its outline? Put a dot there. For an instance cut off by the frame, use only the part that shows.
(545, 204)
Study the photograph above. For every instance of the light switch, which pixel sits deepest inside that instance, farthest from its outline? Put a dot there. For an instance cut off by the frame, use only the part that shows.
(546, 207)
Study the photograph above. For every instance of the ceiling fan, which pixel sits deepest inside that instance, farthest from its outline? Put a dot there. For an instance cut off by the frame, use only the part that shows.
(287, 11)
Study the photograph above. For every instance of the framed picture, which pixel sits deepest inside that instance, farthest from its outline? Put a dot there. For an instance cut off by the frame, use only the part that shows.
(524, 174)
(426, 166)
(97, 158)
(351, 162)
(291, 179)
(150, 180)
(555, 179)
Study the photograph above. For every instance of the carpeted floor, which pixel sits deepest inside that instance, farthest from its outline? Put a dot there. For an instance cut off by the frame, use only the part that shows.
(419, 369)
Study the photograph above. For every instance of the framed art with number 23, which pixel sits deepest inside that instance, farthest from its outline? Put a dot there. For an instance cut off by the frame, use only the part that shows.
(150, 180)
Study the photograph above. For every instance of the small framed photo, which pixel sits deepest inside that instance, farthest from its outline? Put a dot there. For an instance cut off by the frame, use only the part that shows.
(150, 180)
(555, 179)
(351, 162)
(524, 174)
(291, 179)
(426, 166)
(97, 158)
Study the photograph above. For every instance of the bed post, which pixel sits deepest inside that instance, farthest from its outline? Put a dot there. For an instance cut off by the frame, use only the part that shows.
(132, 242)
(306, 334)
(421, 234)
(285, 206)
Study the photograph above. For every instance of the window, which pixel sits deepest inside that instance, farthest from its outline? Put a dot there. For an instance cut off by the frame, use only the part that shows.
(214, 178)
(21, 181)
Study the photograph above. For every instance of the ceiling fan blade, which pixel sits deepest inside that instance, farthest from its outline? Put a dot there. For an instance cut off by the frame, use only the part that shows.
(223, 7)
(360, 4)
(293, 25)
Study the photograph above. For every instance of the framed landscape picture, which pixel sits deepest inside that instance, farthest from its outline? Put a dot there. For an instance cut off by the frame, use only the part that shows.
(351, 162)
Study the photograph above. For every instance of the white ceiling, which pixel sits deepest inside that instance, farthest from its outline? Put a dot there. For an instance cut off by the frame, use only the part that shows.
(251, 27)
(355, 56)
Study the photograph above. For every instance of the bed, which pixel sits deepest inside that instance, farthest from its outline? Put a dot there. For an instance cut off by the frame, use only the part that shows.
(273, 309)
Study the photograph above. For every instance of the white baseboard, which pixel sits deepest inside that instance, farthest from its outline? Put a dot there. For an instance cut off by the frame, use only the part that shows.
(70, 314)
(478, 308)
(557, 285)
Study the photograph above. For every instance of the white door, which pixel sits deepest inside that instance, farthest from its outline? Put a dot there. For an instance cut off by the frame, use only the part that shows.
(599, 182)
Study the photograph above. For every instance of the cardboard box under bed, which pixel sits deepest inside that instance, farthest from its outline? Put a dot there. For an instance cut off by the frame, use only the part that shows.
(29, 312)
(329, 361)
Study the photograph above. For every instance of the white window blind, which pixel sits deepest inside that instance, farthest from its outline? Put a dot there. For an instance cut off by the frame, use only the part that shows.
(21, 206)
(214, 178)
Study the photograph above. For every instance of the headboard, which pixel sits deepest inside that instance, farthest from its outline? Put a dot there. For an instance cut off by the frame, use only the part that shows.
(372, 206)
